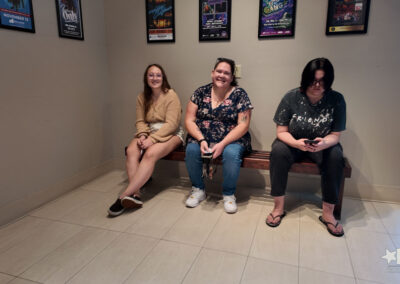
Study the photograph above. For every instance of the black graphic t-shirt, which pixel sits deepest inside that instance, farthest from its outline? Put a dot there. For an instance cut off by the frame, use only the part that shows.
(306, 120)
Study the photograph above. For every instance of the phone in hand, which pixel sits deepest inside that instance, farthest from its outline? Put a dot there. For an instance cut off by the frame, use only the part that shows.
(207, 155)
(311, 142)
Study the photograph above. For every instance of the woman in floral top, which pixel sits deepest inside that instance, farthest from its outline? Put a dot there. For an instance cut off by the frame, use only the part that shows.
(217, 120)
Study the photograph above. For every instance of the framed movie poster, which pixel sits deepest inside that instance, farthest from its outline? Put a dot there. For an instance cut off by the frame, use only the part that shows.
(69, 18)
(347, 17)
(277, 18)
(17, 15)
(160, 21)
(214, 20)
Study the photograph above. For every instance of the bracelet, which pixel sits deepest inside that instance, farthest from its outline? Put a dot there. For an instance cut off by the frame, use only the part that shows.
(201, 140)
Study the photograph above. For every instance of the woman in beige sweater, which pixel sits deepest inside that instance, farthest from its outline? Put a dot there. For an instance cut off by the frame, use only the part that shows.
(158, 116)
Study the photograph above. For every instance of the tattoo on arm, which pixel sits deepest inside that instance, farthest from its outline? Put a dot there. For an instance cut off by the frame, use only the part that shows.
(245, 116)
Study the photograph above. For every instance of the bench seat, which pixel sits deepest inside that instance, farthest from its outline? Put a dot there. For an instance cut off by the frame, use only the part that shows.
(260, 160)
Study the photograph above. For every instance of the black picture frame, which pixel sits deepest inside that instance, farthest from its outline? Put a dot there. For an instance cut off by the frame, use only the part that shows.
(215, 20)
(69, 19)
(347, 17)
(160, 21)
(17, 15)
(277, 18)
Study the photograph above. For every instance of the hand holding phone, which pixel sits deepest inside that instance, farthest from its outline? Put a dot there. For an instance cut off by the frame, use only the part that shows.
(311, 142)
(207, 155)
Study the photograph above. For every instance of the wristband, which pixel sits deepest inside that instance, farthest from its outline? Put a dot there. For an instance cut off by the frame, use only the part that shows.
(201, 140)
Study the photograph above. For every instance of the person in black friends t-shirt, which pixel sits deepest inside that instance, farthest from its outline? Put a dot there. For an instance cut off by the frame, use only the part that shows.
(309, 122)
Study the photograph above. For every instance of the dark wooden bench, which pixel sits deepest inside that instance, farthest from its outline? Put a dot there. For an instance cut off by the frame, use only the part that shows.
(260, 160)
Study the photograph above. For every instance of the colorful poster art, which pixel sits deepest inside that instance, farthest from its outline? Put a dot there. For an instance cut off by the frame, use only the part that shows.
(17, 15)
(347, 16)
(160, 21)
(277, 18)
(69, 16)
(214, 20)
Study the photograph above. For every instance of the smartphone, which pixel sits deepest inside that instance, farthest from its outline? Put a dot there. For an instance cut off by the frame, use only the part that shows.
(311, 142)
(207, 155)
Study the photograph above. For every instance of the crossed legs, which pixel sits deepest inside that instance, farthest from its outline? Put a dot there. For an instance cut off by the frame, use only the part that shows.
(139, 171)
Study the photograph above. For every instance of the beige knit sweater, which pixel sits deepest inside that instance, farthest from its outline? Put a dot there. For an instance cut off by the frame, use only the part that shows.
(167, 109)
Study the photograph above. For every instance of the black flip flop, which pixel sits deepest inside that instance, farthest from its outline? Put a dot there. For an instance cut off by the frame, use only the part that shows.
(273, 225)
(329, 230)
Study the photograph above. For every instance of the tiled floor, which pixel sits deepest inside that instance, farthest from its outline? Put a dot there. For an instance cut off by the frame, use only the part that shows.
(71, 240)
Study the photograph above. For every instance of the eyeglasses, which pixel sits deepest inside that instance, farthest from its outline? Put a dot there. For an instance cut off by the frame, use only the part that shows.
(152, 75)
(320, 82)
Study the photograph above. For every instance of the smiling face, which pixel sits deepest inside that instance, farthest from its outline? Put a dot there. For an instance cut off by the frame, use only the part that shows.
(222, 75)
(317, 87)
(154, 78)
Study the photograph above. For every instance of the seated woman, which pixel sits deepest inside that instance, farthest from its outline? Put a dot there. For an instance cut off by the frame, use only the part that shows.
(309, 123)
(158, 116)
(217, 120)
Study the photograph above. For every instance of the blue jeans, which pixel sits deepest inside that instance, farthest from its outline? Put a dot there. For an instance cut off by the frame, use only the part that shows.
(231, 161)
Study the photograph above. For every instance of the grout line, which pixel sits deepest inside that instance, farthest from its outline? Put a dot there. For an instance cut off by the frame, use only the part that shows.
(191, 266)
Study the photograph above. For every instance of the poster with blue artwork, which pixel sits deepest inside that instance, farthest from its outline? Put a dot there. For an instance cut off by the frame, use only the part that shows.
(69, 18)
(277, 18)
(17, 15)
(160, 21)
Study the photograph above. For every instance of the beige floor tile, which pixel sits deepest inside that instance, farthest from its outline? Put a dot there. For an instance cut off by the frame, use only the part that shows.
(22, 255)
(367, 282)
(173, 194)
(280, 244)
(4, 278)
(168, 262)
(69, 258)
(263, 271)
(235, 232)
(21, 281)
(66, 204)
(321, 251)
(309, 276)
(106, 182)
(216, 267)
(19, 231)
(390, 216)
(117, 261)
(95, 214)
(310, 212)
(366, 252)
(360, 215)
(396, 240)
(157, 221)
(194, 226)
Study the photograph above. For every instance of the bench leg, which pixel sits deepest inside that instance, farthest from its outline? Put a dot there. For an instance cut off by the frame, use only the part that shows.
(337, 212)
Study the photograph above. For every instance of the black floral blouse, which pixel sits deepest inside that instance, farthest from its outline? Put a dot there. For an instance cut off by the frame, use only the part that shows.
(216, 123)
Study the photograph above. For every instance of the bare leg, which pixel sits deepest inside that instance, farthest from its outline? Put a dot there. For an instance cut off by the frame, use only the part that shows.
(327, 215)
(279, 203)
(146, 166)
(133, 154)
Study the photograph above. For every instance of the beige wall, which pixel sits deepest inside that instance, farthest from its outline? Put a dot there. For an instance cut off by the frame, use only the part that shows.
(67, 106)
(367, 67)
(55, 119)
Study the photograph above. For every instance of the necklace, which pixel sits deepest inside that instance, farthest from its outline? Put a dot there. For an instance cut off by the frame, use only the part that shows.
(217, 100)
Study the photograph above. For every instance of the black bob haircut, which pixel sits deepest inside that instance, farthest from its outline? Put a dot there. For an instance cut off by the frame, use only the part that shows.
(233, 66)
(308, 75)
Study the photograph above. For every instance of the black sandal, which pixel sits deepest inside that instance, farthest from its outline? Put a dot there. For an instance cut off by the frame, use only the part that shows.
(273, 225)
(329, 230)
